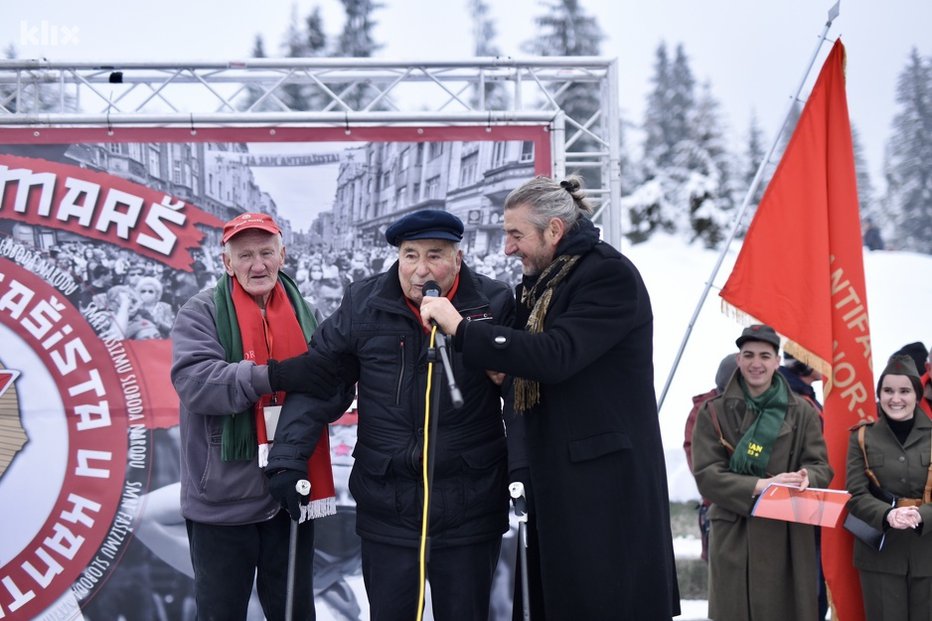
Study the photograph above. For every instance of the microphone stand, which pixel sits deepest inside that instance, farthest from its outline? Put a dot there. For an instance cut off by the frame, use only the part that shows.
(433, 434)
(441, 345)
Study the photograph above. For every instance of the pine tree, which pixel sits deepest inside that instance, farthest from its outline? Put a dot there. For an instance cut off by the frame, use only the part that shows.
(356, 39)
(682, 100)
(865, 187)
(670, 106)
(629, 172)
(709, 183)
(795, 111)
(754, 154)
(305, 40)
(564, 29)
(908, 165)
(495, 96)
(689, 177)
(356, 42)
(657, 122)
(254, 93)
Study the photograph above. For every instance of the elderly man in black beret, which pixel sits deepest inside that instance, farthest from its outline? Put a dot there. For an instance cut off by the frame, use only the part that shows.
(377, 336)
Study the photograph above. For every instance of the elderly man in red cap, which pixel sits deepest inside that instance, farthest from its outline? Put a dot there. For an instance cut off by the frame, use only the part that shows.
(377, 334)
(225, 341)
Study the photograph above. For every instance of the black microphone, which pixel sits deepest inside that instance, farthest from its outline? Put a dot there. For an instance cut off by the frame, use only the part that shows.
(431, 289)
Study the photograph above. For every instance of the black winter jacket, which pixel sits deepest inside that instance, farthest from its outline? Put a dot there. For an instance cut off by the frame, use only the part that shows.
(378, 333)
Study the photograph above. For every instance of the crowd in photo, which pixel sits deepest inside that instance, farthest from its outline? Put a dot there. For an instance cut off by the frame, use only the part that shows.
(134, 297)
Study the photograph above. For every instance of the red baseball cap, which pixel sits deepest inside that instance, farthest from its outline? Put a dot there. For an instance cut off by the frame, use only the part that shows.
(242, 222)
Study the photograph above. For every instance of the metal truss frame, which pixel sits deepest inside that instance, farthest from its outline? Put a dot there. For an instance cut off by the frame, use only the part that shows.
(338, 92)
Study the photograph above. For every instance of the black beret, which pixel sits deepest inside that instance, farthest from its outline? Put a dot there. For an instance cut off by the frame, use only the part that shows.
(759, 332)
(425, 224)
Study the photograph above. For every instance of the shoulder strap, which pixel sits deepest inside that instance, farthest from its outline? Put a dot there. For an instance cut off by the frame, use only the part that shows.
(721, 438)
(867, 468)
(927, 494)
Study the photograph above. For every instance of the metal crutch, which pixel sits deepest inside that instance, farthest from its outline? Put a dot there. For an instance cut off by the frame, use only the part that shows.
(303, 487)
(516, 490)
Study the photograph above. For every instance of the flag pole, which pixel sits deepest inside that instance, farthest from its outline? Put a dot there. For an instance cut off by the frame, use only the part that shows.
(755, 182)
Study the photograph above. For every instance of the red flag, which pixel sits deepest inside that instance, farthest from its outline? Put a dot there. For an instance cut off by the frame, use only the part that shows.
(801, 271)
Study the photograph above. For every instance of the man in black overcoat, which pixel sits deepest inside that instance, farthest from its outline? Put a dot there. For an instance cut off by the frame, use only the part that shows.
(580, 353)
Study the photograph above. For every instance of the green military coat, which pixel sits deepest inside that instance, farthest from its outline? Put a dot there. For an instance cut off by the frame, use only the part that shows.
(902, 471)
(760, 569)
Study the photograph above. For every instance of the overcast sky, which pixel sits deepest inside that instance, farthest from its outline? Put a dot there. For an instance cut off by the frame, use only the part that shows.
(753, 53)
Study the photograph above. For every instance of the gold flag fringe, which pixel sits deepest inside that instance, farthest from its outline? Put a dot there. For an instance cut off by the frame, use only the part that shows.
(791, 347)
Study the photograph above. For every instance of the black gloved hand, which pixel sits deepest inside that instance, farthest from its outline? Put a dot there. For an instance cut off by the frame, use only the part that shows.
(312, 373)
(283, 488)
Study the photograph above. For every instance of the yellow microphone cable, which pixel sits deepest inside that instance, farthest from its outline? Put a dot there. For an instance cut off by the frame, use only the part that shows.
(425, 512)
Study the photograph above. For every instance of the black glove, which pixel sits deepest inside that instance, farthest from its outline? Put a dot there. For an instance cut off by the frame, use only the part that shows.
(283, 488)
(312, 373)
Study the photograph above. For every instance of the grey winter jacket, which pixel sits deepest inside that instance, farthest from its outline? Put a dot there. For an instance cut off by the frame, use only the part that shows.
(210, 389)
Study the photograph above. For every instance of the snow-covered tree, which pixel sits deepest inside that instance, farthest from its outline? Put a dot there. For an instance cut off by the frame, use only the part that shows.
(862, 173)
(254, 93)
(629, 172)
(483, 32)
(682, 99)
(795, 111)
(658, 126)
(688, 175)
(356, 41)
(754, 153)
(564, 29)
(705, 154)
(908, 164)
(304, 39)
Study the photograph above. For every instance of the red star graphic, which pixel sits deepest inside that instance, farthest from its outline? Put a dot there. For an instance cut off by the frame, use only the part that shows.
(6, 379)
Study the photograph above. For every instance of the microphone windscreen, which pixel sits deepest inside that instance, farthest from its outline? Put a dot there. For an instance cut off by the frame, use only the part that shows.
(431, 289)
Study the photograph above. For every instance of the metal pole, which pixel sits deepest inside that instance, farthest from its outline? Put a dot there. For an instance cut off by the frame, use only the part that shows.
(611, 168)
(832, 14)
(517, 493)
(303, 487)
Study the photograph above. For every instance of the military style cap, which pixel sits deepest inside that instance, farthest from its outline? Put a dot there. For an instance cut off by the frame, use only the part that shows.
(246, 221)
(425, 224)
(900, 364)
(759, 332)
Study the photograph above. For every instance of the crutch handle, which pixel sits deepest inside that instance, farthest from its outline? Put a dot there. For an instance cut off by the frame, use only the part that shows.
(516, 490)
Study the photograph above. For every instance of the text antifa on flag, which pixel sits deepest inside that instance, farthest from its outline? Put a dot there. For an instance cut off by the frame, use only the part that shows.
(801, 271)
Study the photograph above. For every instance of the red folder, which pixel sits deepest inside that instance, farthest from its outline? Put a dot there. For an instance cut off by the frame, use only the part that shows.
(813, 505)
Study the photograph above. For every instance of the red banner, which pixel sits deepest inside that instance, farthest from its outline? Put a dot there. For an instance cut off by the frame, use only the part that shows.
(801, 271)
(102, 207)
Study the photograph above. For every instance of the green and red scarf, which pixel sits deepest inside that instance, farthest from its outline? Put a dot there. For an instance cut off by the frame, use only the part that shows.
(283, 332)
